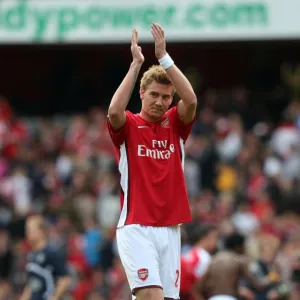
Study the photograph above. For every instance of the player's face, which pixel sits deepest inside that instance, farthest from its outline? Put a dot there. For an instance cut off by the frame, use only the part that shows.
(33, 231)
(156, 99)
(268, 253)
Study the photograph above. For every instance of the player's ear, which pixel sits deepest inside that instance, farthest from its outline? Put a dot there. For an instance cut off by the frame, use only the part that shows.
(142, 93)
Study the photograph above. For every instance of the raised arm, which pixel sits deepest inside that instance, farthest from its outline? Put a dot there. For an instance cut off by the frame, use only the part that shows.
(188, 103)
(116, 110)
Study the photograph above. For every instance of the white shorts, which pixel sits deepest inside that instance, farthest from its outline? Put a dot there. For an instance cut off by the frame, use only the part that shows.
(222, 297)
(151, 257)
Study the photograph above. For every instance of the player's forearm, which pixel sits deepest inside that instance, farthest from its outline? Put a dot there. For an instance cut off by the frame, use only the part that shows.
(62, 287)
(122, 95)
(182, 86)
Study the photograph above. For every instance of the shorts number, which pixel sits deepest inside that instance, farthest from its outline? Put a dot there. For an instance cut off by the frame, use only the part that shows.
(177, 278)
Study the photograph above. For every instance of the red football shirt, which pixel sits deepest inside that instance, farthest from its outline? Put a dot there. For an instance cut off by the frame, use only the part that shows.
(151, 158)
(194, 265)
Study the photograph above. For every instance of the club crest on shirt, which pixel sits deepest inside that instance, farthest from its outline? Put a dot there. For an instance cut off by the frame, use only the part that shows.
(143, 274)
(165, 123)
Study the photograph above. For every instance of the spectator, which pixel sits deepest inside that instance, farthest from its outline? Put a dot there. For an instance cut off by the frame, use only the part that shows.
(92, 243)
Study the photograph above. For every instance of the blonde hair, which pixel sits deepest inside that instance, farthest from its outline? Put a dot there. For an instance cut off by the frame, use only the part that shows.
(155, 73)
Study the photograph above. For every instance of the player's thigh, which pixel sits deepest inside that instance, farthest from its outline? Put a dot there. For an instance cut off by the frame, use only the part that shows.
(170, 264)
(149, 293)
(139, 257)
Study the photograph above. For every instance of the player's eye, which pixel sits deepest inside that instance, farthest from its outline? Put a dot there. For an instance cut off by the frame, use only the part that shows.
(166, 97)
(154, 95)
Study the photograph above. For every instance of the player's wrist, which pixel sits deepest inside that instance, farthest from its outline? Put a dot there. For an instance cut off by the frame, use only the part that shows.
(137, 63)
(160, 54)
(166, 61)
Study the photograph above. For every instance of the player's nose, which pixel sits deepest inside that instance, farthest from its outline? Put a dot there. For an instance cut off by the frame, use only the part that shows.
(158, 101)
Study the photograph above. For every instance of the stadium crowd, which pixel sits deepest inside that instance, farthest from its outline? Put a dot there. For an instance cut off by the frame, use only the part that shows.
(242, 172)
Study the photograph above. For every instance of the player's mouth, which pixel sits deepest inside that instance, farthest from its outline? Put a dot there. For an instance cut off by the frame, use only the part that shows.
(157, 111)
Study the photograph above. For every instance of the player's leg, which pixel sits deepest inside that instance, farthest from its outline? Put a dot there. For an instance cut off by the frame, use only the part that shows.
(140, 259)
(149, 293)
(170, 263)
(158, 297)
(222, 297)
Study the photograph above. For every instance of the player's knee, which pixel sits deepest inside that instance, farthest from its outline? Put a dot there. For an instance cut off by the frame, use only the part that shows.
(149, 294)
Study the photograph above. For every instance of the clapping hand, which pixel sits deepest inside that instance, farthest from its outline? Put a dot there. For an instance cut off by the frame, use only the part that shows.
(136, 50)
(159, 39)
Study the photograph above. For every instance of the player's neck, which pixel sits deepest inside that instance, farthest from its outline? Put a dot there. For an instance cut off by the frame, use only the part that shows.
(201, 246)
(147, 118)
(40, 245)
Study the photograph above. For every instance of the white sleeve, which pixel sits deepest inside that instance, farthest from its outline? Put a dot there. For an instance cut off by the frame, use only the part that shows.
(203, 264)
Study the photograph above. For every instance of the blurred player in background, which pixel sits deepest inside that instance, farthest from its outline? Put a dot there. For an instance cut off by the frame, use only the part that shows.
(196, 261)
(150, 147)
(227, 268)
(48, 277)
(267, 266)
